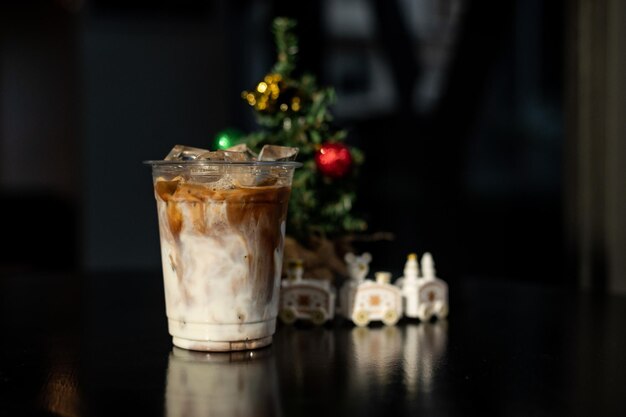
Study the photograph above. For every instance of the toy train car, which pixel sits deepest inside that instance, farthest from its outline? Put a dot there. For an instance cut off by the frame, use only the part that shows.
(425, 297)
(372, 301)
(307, 299)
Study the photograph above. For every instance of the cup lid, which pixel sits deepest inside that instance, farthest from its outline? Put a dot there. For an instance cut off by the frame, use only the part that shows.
(205, 162)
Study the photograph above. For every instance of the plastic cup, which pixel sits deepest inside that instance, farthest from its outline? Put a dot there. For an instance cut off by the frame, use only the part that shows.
(222, 229)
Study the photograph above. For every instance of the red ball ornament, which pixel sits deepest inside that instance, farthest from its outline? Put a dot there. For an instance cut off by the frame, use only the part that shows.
(333, 160)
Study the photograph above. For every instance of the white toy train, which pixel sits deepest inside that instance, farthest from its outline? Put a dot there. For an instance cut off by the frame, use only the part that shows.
(363, 301)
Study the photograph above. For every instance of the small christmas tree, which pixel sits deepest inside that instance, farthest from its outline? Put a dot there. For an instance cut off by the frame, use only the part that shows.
(295, 112)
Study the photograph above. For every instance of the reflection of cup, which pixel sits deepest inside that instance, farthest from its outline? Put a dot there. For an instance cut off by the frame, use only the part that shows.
(222, 227)
(221, 384)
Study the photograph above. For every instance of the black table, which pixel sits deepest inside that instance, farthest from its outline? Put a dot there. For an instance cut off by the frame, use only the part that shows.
(98, 346)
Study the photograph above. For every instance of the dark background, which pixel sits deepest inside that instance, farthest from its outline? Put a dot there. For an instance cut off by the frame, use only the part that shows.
(458, 105)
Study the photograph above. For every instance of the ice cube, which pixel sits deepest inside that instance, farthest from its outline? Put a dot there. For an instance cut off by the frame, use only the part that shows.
(184, 153)
(253, 176)
(239, 153)
(237, 156)
(264, 180)
(213, 156)
(243, 148)
(278, 153)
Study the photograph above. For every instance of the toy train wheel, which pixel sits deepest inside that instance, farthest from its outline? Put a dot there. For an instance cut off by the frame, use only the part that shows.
(318, 317)
(442, 311)
(361, 318)
(287, 316)
(424, 313)
(390, 317)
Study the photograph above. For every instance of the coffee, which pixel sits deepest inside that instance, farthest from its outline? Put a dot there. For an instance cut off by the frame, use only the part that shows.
(222, 245)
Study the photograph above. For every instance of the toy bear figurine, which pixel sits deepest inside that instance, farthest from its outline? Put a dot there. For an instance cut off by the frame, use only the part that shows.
(358, 266)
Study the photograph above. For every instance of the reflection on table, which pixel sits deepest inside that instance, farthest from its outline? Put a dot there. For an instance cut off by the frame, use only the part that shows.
(424, 347)
(412, 349)
(221, 384)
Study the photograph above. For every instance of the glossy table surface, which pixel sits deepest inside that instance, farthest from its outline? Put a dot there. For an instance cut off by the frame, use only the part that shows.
(98, 346)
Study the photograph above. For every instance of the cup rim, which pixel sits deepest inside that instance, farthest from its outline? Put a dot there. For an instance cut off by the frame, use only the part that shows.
(204, 162)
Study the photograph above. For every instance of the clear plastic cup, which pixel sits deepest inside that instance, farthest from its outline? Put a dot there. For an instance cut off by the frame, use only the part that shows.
(222, 229)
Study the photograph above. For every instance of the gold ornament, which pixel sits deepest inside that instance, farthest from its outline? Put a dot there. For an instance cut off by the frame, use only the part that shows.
(272, 95)
(263, 97)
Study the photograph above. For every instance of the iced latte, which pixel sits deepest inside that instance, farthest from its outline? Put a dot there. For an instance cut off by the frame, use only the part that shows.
(222, 225)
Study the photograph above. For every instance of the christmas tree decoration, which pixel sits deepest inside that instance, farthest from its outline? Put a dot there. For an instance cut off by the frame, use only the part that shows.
(333, 160)
(227, 138)
(273, 94)
(293, 111)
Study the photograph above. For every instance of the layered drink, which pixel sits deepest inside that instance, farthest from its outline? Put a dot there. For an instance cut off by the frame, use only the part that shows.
(222, 226)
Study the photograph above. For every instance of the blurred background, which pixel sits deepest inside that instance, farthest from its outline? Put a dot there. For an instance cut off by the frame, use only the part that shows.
(492, 129)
